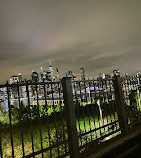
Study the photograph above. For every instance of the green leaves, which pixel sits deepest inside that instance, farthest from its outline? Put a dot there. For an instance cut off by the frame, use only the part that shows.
(50, 111)
(1, 116)
(58, 108)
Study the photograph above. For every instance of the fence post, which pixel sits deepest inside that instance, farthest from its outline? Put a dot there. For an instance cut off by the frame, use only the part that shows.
(120, 104)
(70, 117)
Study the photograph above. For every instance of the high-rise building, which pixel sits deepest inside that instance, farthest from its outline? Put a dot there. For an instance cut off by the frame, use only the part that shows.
(34, 76)
(41, 73)
(103, 76)
(44, 75)
(14, 79)
(57, 73)
(82, 73)
(50, 69)
(49, 75)
(20, 76)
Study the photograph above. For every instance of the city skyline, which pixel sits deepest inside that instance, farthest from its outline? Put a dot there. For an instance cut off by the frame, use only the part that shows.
(53, 75)
(99, 36)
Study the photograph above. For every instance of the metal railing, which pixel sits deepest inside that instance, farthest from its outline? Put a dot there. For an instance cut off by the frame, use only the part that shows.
(59, 119)
(36, 126)
(95, 110)
(132, 97)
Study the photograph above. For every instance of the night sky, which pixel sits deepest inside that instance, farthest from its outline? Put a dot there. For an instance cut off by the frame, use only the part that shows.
(98, 35)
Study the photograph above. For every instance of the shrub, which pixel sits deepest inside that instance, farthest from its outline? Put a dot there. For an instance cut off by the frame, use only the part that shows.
(58, 108)
(50, 111)
(1, 116)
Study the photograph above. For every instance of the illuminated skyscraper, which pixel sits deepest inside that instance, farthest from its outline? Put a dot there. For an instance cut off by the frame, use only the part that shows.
(34, 76)
(14, 79)
(20, 76)
(57, 73)
(50, 72)
(41, 73)
(82, 73)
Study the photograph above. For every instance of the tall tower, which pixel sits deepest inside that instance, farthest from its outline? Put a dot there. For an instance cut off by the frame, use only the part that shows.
(57, 73)
(41, 73)
(34, 76)
(82, 73)
(50, 68)
(20, 76)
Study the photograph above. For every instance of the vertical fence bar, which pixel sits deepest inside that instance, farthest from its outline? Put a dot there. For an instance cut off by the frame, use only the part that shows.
(54, 117)
(106, 107)
(94, 114)
(77, 105)
(10, 120)
(39, 119)
(62, 111)
(99, 106)
(88, 111)
(48, 122)
(71, 118)
(30, 117)
(121, 107)
(81, 86)
(20, 120)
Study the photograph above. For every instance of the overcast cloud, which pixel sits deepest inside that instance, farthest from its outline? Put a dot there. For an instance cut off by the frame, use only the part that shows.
(98, 35)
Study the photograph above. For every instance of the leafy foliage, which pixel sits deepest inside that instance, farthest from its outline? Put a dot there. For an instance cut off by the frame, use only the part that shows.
(24, 113)
(1, 116)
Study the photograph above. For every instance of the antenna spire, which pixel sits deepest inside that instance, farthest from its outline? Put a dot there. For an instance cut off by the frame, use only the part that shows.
(50, 62)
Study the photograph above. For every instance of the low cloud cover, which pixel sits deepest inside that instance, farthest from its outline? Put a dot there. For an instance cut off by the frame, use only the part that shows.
(98, 35)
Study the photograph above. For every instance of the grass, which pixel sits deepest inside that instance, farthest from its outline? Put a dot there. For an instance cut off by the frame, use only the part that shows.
(82, 125)
(87, 124)
(133, 107)
(6, 144)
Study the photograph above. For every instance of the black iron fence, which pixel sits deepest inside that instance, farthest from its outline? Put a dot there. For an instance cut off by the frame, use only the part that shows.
(33, 121)
(60, 119)
(95, 110)
(132, 94)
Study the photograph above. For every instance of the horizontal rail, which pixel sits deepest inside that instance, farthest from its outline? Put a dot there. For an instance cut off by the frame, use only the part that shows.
(46, 149)
(28, 84)
(98, 139)
(83, 134)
